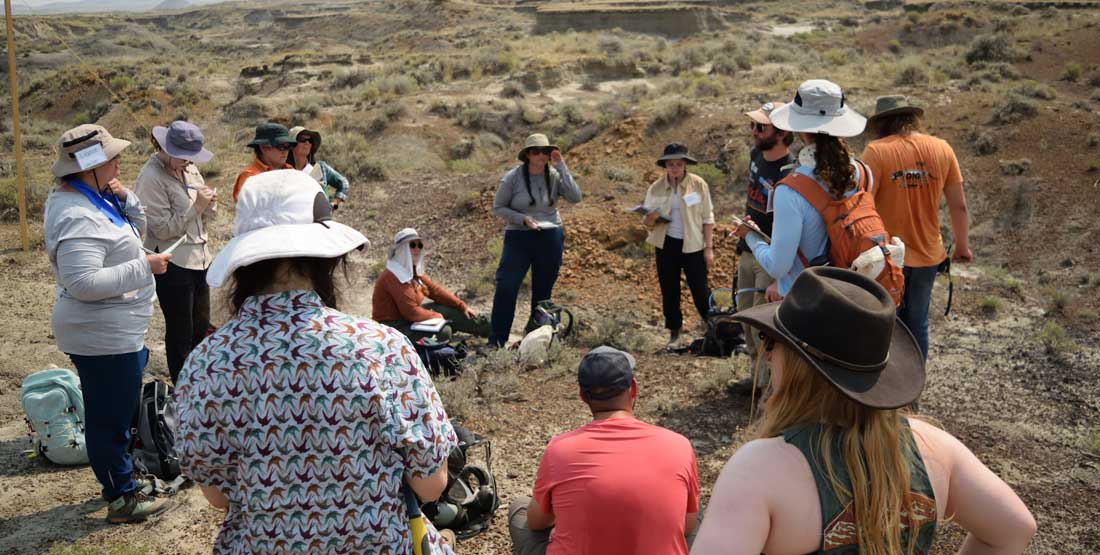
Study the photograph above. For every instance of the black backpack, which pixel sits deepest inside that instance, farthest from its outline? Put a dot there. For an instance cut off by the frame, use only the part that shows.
(470, 498)
(441, 359)
(724, 335)
(152, 444)
(546, 313)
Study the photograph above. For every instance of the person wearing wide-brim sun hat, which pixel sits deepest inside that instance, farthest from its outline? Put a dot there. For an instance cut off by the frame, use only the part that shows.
(309, 381)
(821, 118)
(680, 218)
(912, 171)
(834, 439)
(303, 157)
(271, 146)
(105, 292)
(404, 294)
(179, 207)
(527, 200)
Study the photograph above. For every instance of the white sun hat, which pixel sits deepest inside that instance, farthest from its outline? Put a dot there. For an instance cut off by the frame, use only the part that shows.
(282, 214)
(819, 107)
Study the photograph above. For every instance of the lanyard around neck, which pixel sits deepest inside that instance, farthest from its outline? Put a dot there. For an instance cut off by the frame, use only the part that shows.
(108, 204)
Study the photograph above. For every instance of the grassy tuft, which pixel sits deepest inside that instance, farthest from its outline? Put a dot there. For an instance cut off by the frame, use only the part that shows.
(1055, 340)
(991, 305)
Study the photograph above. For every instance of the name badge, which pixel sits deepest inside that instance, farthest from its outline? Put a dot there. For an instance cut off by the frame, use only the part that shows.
(89, 157)
(691, 199)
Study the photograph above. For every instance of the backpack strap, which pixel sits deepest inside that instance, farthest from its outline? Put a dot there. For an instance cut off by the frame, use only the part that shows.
(813, 193)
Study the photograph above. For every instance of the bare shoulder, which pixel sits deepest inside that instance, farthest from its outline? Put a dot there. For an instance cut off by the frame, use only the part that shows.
(934, 440)
(764, 458)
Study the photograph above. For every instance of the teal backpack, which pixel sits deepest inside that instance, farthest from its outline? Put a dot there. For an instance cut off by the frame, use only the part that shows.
(54, 406)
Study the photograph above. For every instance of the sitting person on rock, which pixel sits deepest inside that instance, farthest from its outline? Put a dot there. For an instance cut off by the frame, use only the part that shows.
(398, 299)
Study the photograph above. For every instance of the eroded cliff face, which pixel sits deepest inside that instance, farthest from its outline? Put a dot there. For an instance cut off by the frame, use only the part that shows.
(670, 21)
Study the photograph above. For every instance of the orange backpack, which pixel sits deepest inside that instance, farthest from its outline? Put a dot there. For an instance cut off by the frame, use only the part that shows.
(853, 225)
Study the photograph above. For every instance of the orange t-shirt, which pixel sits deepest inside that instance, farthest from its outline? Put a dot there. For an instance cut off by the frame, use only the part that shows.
(255, 168)
(910, 174)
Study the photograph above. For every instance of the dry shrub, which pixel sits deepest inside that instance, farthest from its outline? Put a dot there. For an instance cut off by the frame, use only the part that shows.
(1013, 110)
(1015, 167)
(991, 48)
(983, 143)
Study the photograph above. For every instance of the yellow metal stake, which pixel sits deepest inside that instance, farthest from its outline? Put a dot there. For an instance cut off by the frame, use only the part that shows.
(17, 134)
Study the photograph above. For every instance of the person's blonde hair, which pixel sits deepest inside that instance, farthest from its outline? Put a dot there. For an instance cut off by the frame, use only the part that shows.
(870, 444)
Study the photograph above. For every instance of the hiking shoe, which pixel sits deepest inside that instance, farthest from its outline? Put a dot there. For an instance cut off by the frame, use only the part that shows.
(743, 387)
(136, 507)
(144, 486)
(673, 338)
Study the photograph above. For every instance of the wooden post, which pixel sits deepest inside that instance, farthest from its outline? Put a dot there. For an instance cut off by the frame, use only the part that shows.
(17, 135)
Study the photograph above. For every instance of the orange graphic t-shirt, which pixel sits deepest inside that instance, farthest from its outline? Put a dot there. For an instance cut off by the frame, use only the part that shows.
(910, 174)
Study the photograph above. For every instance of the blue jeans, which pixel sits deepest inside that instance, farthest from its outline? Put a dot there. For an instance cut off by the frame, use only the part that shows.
(915, 301)
(112, 391)
(539, 251)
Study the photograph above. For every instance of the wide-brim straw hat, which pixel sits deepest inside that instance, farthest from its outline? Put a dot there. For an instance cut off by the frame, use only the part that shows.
(845, 325)
(533, 141)
(81, 138)
(894, 104)
(282, 214)
(314, 137)
(819, 106)
(182, 140)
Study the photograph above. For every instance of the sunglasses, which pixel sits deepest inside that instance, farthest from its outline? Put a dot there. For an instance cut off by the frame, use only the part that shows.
(542, 150)
(759, 127)
(416, 245)
(768, 341)
(305, 140)
(278, 147)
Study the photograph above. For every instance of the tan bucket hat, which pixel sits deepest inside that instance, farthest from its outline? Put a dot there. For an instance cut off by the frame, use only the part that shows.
(535, 140)
(89, 140)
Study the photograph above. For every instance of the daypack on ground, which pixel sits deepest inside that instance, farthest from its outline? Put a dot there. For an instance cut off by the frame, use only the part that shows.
(546, 313)
(534, 348)
(441, 359)
(470, 499)
(152, 444)
(723, 335)
(54, 408)
(854, 227)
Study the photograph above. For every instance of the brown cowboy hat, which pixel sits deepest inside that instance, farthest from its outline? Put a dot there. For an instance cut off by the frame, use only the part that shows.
(845, 325)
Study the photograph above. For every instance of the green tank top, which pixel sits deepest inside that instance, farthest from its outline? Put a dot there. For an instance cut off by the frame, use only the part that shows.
(838, 517)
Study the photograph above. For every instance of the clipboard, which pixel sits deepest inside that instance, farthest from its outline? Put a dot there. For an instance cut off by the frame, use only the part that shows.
(169, 249)
(752, 226)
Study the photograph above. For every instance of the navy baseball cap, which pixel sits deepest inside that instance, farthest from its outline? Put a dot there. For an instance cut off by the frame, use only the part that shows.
(605, 372)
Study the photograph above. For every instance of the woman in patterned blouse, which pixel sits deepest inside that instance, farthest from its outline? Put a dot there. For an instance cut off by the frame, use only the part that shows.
(300, 421)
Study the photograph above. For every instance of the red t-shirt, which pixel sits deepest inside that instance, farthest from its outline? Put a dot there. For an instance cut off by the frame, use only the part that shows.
(618, 486)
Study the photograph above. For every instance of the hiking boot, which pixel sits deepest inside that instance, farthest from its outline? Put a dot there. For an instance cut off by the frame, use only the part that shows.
(136, 507)
(144, 486)
(673, 338)
(743, 387)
